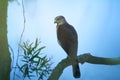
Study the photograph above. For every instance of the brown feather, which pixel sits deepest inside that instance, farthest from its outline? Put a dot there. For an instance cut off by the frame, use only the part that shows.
(68, 40)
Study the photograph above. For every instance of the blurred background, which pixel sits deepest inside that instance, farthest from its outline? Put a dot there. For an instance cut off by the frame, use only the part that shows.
(97, 23)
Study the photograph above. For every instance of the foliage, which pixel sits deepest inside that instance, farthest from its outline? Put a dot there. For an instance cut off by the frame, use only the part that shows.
(34, 61)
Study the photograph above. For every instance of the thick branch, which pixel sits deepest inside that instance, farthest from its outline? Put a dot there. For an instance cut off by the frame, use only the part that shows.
(82, 59)
(98, 60)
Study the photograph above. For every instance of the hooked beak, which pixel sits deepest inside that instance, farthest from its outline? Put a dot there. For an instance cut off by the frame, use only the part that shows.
(55, 22)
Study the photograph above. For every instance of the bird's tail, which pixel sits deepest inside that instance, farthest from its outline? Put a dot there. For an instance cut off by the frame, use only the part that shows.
(76, 70)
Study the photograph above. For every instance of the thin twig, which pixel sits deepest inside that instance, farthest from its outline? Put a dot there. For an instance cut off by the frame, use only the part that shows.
(12, 55)
(20, 37)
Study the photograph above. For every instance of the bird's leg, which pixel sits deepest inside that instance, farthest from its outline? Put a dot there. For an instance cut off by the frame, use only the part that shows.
(72, 59)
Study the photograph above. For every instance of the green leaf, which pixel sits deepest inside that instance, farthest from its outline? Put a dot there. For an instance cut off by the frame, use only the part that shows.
(24, 60)
(26, 71)
(36, 43)
(34, 56)
(32, 61)
(38, 61)
(22, 68)
(41, 48)
(38, 50)
(25, 45)
(23, 48)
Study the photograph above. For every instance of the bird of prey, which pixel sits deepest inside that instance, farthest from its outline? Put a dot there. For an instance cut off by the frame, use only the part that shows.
(68, 40)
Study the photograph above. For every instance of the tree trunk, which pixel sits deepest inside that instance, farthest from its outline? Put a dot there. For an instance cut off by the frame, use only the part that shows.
(5, 60)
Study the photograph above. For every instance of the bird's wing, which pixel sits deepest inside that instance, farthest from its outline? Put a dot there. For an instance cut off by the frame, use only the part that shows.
(67, 37)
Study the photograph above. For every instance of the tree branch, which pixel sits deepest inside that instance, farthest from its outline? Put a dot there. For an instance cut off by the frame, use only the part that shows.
(82, 59)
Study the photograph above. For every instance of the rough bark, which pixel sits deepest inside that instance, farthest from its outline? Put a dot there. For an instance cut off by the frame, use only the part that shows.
(5, 60)
(82, 59)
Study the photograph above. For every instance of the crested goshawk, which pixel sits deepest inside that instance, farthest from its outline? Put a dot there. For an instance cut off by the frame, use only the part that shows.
(68, 40)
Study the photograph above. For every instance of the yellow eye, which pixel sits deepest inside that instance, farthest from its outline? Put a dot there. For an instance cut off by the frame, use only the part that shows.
(58, 19)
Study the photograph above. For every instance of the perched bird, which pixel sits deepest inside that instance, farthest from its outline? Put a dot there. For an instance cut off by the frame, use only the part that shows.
(68, 40)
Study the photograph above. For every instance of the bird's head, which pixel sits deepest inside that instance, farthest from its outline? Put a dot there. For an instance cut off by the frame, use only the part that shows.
(60, 20)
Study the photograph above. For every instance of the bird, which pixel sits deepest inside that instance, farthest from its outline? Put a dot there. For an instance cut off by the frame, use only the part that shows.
(68, 40)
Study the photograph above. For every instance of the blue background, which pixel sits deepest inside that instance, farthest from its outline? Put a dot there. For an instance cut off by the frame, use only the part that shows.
(97, 23)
